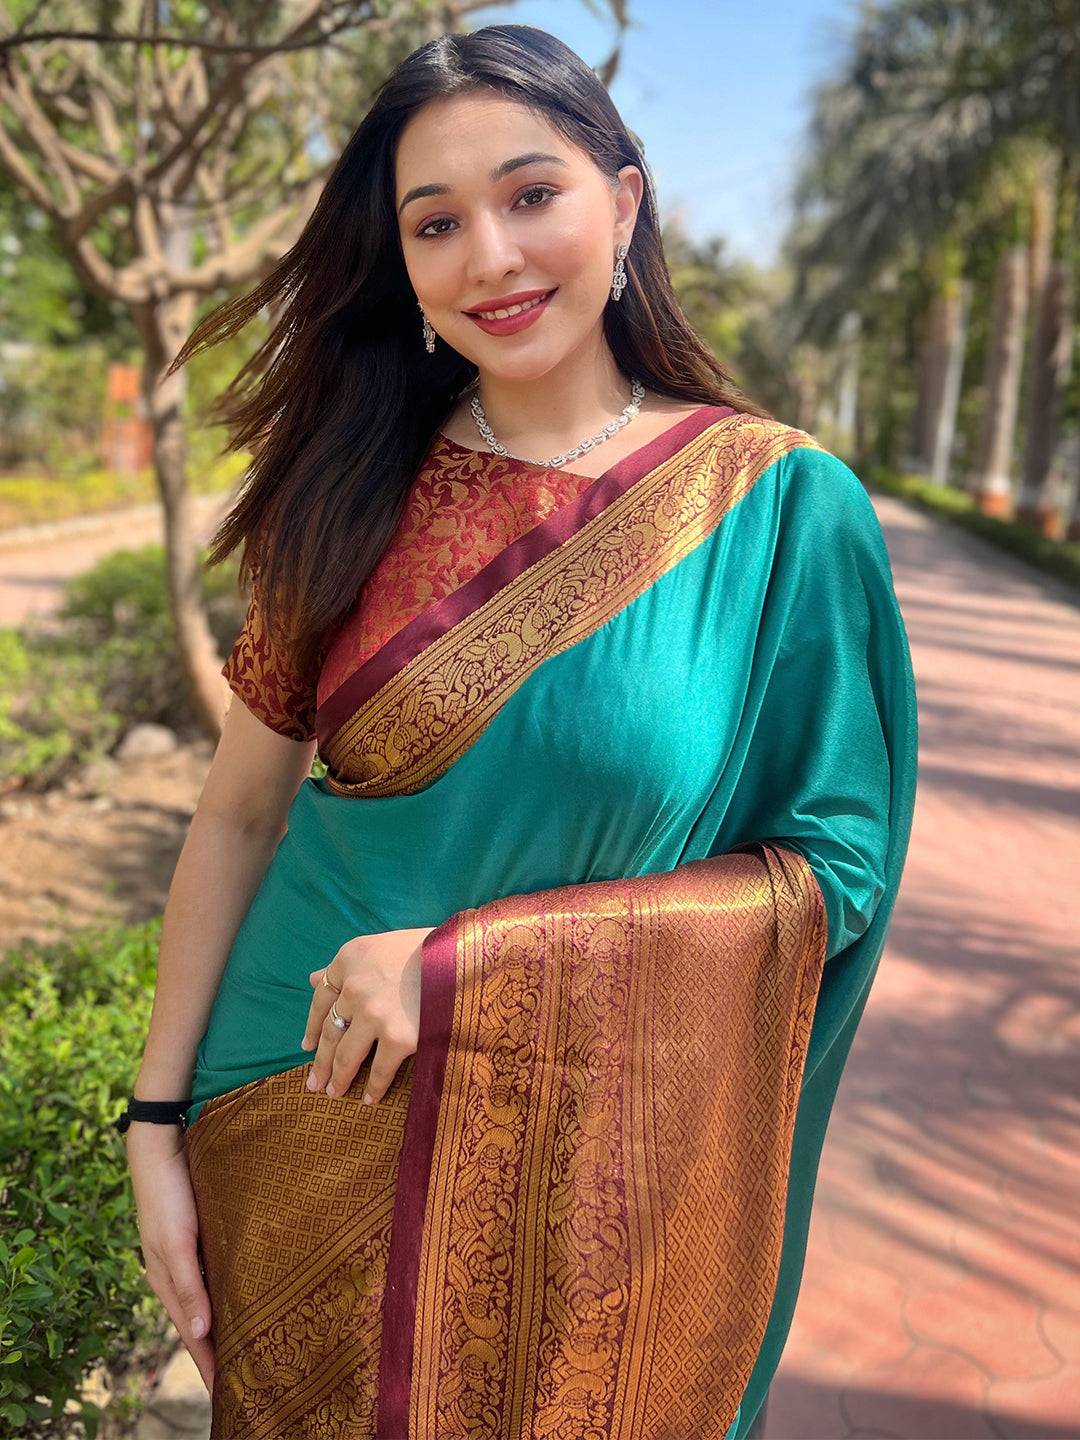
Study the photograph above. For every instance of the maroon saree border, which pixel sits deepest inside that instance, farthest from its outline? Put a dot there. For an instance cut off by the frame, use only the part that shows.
(511, 561)
(437, 992)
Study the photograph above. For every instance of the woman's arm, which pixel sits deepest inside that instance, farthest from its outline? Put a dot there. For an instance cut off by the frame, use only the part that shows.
(238, 822)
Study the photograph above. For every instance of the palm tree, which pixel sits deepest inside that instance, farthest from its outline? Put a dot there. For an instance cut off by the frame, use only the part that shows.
(907, 143)
(1051, 347)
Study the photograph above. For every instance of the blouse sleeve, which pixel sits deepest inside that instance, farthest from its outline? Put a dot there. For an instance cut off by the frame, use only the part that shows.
(258, 672)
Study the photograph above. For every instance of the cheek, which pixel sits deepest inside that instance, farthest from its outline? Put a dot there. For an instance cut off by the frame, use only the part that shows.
(568, 249)
(435, 279)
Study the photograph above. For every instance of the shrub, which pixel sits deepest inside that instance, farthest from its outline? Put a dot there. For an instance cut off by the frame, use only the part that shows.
(1060, 558)
(106, 661)
(51, 710)
(73, 1019)
(52, 402)
(120, 611)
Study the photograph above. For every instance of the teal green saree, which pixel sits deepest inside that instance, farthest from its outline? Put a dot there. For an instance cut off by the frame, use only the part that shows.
(645, 757)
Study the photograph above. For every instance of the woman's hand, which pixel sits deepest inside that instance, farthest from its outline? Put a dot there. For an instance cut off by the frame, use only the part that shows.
(168, 1234)
(376, 980)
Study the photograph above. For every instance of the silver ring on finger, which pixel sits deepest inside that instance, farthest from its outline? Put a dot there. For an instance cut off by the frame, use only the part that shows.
(339, 1020)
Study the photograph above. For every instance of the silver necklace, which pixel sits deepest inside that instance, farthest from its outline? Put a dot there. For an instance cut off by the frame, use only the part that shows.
(629, 411)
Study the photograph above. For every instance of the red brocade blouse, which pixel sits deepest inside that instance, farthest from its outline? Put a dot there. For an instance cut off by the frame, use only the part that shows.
(464, 507)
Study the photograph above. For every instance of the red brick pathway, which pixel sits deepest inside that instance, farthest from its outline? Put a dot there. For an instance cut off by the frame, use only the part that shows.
(941, 1297)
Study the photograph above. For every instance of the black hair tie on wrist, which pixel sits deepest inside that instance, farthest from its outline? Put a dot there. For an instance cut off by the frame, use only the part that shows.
(161, 1112)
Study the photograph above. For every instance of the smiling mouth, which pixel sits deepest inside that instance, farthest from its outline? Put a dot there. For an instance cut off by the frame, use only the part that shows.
(504, 314)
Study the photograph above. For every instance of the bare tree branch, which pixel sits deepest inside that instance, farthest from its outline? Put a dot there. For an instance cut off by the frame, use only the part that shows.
(45, 137)
(35, 188)
(296, 41)
(264, 239)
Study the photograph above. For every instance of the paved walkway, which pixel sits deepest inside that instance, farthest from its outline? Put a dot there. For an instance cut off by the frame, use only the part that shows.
(35, 561)
(941, 1296)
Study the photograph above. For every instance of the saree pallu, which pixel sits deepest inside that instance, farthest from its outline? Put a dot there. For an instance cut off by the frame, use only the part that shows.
(650, 774)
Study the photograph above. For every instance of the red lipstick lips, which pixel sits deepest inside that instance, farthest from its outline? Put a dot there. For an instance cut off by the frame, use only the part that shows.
(512, 323)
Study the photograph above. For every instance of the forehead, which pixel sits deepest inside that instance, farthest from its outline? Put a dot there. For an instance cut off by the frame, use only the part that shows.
(463, 137)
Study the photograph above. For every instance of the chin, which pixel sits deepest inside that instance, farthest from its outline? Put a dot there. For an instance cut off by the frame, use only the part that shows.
(517, 371)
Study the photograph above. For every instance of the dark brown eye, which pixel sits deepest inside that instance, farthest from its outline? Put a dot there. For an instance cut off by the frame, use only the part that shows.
(545, 191)
(423, 231)
(534, 189)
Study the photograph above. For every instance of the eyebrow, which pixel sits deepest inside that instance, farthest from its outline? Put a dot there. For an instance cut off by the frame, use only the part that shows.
(418, 191)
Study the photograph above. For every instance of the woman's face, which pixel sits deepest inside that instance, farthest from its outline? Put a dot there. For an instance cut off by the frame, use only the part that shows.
(551, 224)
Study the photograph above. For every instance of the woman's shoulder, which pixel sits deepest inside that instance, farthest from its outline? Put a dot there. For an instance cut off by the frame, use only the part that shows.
(802, 466)
(814, 495)
(825, 486)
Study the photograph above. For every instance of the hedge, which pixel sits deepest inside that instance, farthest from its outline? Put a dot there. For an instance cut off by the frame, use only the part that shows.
(73, 1294)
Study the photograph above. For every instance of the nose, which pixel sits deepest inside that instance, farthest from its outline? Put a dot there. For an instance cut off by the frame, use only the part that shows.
(493, 252)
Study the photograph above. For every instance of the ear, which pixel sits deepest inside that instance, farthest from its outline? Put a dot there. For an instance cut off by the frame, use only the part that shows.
(627, 201)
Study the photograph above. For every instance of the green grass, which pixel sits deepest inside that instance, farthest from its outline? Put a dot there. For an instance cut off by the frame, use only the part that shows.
(37, 499)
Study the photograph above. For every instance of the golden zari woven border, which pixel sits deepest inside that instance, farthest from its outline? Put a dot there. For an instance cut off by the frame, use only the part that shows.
(414, 727)
(565, 1217)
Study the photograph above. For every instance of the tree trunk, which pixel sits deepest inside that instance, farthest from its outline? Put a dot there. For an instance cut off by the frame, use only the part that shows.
(1072, 530)
(943, 370)
(807, 377)
(847, 389)
(825, 415)
(932, 367)
(991, 481)
(163, 328)
(1040, 244)
(1051, 357)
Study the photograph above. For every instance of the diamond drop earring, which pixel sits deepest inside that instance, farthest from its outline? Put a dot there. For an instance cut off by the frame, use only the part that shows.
(429, 333)
(618, 280)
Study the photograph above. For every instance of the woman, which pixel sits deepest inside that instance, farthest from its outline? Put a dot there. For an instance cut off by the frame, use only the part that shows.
(620, 734)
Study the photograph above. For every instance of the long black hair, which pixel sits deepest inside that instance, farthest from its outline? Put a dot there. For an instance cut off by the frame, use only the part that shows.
(341, 401)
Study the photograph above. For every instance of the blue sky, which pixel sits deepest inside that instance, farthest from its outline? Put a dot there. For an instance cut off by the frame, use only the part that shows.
(718, 92)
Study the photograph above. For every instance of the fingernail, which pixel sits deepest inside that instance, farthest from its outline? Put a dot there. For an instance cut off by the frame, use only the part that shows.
(312, 1083)
(330, 1088)
(367, 1099)
(307, 1044)
(198, 1327)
